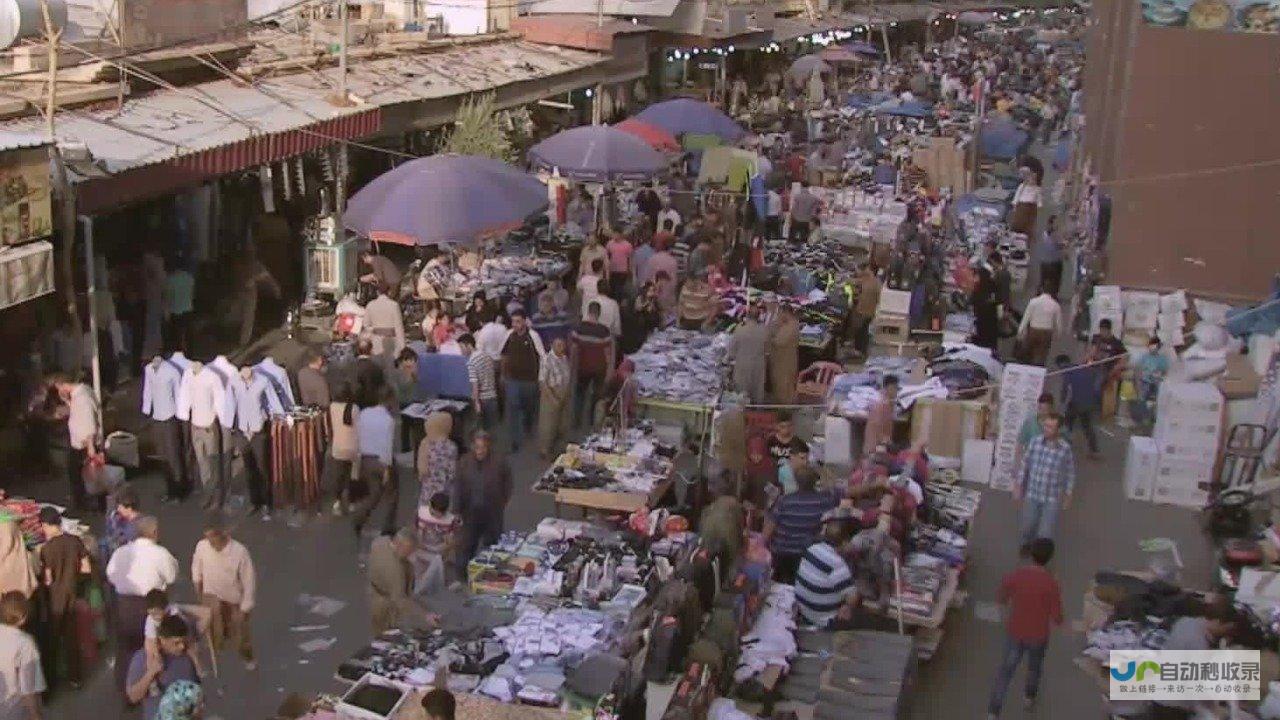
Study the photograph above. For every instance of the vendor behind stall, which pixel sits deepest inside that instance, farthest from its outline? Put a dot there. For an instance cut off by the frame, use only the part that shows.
(825, 590)
(391, 601)
(381, 273)
(795, 523)
(1206, 631)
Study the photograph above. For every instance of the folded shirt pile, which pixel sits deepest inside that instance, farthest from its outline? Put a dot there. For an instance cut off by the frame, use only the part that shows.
(682, 366)
(772, 640)
(922, 578)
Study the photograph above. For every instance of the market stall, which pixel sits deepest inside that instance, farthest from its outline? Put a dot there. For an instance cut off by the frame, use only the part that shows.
(613, 471)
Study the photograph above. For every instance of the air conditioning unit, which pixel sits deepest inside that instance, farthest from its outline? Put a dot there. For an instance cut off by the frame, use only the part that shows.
(331, 268)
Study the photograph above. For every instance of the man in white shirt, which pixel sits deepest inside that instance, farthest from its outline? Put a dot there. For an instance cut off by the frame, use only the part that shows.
(253, 396)
(84, 427)
(134, 570)
(491, 337)
(386, 323)
(610, 313)
(226, 583)
(773, 215)
(375, 431)
(589, 282)
(1040, 324)
(668, 213)
(160, 383)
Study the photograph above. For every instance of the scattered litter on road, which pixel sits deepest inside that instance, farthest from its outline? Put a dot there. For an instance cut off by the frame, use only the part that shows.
(988, 611)
(321, 605)
(317, 644)
(308, 628)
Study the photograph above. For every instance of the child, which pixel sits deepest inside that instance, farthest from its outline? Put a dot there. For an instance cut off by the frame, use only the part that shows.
(437, 535)
(159, 608)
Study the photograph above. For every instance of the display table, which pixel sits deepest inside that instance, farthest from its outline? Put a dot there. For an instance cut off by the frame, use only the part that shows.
(611, 501)
(628, 482)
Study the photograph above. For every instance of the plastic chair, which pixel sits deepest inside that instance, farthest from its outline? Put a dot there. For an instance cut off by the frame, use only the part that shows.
(814, 383)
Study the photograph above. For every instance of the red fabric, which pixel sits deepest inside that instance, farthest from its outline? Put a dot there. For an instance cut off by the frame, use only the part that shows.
(592, 342)
(1035, 603)
(657, 138)
(562, 204)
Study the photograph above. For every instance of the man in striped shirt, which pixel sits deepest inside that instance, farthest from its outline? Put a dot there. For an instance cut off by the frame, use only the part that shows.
(796, 523)
(825, 588)
(484, 388)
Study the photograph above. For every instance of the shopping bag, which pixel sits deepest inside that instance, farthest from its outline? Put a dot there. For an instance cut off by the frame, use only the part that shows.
(96, 476)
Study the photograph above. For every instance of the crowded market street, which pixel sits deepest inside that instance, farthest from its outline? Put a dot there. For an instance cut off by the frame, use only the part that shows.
(570, 364)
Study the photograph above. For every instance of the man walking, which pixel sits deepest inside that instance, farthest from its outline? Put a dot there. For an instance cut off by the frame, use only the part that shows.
(553, 401)
(482, 492)
(592, 361)
(84, 425)
(65, 561)
(484, 386)
(749, 350)
(1040, 323)
(225, 582)
(253, 399)
(804, 210)
(133, 571)
(1082, 390)
(1034, 603)
(521, 359)
(1047, 480)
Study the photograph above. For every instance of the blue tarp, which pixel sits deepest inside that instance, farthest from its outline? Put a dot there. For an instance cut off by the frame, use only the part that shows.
(1263, 318)
(863, 48)
(913, 108)
(1062, 155)
(441, 375)
(864, 100)
(1002, 139)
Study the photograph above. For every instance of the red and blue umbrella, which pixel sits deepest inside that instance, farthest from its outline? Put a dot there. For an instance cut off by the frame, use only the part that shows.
(445, 199)
(685, 115)
(597, 153)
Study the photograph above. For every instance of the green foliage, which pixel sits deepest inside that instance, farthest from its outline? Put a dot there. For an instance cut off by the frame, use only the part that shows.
(478, 130)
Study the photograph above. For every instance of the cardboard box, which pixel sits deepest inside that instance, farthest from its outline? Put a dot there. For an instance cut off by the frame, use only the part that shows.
(894, 302)
(1178, 399)
(945, 425)
(1192, 498)
(976, 461)
(1140, 468)
(1240, 380)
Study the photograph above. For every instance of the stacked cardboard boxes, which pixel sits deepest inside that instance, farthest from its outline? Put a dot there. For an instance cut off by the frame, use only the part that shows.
(892, 323)
(1140, 468)
(1189, 418)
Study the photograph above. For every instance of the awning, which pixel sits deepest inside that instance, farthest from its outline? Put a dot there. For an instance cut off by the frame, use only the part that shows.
(99, 194)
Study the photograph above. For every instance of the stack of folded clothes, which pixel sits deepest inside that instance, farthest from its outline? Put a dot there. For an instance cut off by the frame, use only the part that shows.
(682, 366)
(922, 576)
(859, 674)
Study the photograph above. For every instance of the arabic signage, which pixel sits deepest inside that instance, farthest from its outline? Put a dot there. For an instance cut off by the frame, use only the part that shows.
(26, 212)
(1254, 16)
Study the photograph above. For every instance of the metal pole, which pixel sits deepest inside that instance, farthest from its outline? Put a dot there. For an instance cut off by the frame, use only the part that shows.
(344, 15)
(92, 270)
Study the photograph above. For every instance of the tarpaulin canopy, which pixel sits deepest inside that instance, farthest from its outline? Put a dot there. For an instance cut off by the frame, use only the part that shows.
(862, 47)
(657, 138)
(805, 66)
(685, 115)
(444, 199)
(597, 153)
(1001, 139)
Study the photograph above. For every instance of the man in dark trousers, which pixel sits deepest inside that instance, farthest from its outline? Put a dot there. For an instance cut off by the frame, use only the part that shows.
(481, 493)
(1034, 603)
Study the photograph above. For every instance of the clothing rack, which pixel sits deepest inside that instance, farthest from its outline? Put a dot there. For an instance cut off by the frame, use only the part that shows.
(298, 440)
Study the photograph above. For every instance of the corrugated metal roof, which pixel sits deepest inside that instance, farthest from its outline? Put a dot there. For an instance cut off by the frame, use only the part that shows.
(169, 124)
(18, 140)
(638, 8)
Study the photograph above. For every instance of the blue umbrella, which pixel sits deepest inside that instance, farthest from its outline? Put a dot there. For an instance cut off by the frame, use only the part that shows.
(911, 108)
(1001, 139)
(446, 199)
(684, 115)
(597, 153)
(864, 100)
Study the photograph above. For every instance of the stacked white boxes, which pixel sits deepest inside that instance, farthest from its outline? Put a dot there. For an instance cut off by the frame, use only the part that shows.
(1107, 304)
(1140, 468)
(1189, 419)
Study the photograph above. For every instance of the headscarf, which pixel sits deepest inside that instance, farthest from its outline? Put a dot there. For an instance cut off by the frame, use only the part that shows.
(181, 701)
(439, 425)
(16, 572)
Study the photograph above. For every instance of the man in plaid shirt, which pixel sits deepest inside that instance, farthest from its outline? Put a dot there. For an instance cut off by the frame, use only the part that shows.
(1047, 479)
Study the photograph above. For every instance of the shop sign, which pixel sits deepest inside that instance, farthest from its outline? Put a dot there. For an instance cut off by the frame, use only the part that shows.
(1253, 16)
(26, 211)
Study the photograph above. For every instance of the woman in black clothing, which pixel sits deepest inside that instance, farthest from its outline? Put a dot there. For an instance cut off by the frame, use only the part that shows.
(479, 313)
(640, 318)
(983, 300)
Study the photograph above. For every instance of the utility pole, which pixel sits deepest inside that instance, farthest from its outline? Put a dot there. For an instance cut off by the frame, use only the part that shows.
(65, 213)
(344, 16)
(342, 99)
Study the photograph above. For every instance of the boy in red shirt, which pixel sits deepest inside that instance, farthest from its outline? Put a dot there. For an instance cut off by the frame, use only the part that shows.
(1034, 603)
